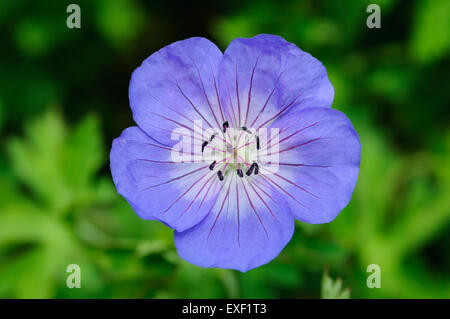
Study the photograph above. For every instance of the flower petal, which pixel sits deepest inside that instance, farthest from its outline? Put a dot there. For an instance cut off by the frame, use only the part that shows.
(175, 193)
(175, 86)
(319, 157)
(248, 227)
(266, 76)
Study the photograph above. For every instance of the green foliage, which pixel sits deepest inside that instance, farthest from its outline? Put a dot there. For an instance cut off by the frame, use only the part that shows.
(430, 38)
(57, 167)
(386, 232)
(120, 21)
(332, 289)
(58, 205)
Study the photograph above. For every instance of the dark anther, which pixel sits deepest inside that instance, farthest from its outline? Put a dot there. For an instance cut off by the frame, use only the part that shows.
(250, 170)
(257, 142)
(225, 126)
(220, 175)
(212, 137)
(256, 168)
(253, 168)
(244, 128)
(204, 145)
(211, 167)
(239, 172)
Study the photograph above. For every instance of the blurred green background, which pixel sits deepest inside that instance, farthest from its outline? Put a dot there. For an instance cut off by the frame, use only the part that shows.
(63, 98)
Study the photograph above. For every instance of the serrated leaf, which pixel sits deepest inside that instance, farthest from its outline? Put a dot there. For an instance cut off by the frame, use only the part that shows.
(36, 160)
(84, 152)
(56, 164)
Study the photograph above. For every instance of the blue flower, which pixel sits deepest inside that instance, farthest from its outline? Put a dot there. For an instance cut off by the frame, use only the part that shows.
(267, 148)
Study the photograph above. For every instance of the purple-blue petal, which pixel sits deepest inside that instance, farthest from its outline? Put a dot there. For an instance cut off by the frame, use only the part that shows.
(175, 86)
(248, 227)
(266, 76)
(156, 187)
(319, 157)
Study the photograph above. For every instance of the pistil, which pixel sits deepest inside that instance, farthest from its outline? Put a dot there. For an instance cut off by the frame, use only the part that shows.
(230, 149)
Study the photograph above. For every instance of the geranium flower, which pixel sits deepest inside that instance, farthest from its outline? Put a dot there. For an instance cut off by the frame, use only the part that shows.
(233, 196)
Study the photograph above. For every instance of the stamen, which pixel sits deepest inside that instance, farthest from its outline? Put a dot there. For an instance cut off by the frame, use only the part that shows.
(204, 145)
(225, 126)
(233, 152)
(250, 170)
(245, 129)
(256, 168)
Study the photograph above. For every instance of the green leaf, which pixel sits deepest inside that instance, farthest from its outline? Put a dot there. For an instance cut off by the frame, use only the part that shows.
(332, 289)
(36, 271)
(37, 159)
(56, 164)
(84, 152)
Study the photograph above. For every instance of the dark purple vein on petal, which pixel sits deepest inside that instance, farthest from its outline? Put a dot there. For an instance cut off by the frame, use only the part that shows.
(283, 190)
(164, 162)
(302, 144)
(193, 137)
(170, 108)
(205, 95)
(237, 94)
(198, 193)
(171, 120)
(303, 165)
(235, 124)
(151, 144)
(193, 106)
(254, 210)
(215, 182)
(262, 190)
(228, 207)
(296, 132)
(298, 186)
(187, 190)
(284, 109)
(217, 93)
(279, 134)
(220, 211)
(176, 178)
(161, 147)
(265, 204)
(250, 91)
(238, 218)
(267, 100)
